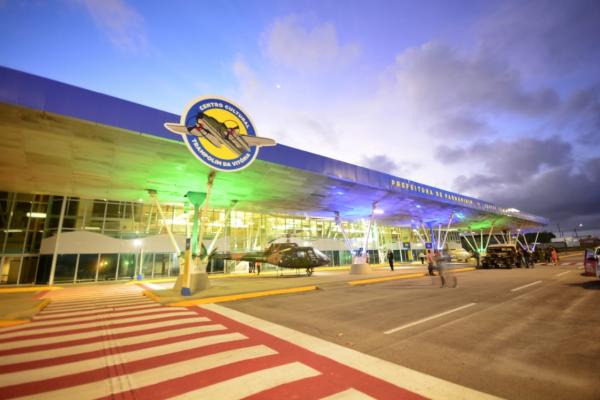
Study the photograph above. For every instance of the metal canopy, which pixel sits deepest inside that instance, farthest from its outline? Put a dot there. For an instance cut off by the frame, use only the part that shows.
(58, 139)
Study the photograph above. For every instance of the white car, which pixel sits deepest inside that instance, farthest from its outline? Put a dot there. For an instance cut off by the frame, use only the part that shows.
(460, 255)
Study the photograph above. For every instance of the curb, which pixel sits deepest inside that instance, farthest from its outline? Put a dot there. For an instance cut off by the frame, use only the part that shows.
(30, 289)
(7, 323)
(242, 296)
(12, 322)
(385, 279)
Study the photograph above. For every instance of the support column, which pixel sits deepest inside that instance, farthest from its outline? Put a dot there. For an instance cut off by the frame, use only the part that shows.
(212, 244)
(152, 194)
(338, 222)
(359, 263)
(447, 229)
(189, 282)
(490, 235)
(535, 241)
(469, 243)
(56, 243)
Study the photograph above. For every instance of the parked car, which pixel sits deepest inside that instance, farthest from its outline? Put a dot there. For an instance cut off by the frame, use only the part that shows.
(460, 255)
(500, 256)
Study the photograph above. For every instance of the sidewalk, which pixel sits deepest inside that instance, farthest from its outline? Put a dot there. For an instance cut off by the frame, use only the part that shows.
(20, 305)
(238, 286)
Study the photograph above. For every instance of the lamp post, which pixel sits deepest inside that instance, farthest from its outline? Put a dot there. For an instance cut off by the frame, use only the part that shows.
(575, 230)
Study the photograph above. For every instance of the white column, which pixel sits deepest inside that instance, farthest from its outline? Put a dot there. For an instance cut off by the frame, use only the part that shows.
(56, 243)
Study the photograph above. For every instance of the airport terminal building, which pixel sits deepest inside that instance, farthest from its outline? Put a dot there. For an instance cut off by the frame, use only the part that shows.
(96, 186)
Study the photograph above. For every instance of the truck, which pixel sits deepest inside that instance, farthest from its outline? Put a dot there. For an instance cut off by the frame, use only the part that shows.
(500, 256)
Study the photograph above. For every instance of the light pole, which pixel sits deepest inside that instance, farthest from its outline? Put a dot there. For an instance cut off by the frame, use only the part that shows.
(575, 230)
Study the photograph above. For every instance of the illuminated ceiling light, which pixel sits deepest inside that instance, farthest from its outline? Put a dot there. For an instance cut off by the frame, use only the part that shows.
(378, 211)
(140, 200)
(137, 242)
(460, 215)
(91, 228)
(13, 230)
(512, 210)
(36, 215)
(418, 206)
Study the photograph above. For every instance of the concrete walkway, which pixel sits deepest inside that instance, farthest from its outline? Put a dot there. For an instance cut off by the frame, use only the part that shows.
(237, 286)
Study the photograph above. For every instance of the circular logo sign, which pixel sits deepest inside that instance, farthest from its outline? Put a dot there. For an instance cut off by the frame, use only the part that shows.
(219, 134)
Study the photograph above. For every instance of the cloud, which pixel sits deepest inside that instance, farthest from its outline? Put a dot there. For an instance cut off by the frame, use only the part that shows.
(289, 42)
(440, 79)
(383, 163)
(544, 35)
(564, 195)
(582, 115)
(506, 162)
(123, 25)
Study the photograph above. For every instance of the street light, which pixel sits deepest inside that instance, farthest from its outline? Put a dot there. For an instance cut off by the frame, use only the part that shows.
(575, 230)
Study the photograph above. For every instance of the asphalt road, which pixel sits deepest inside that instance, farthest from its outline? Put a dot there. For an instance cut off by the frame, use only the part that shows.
(518, 334)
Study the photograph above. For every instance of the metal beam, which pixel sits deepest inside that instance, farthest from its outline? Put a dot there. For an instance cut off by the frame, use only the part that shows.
(154, 198)
(212, 243)
(447, 229)
(338, 221)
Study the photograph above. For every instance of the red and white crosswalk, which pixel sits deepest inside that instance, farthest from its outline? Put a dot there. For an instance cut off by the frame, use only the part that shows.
(110, 342)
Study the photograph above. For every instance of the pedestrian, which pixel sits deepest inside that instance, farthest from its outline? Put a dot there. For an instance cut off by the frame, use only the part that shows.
(257, 266)
(445, 275)
(430, 262)
(390, 257)
(548, 255)
(422, 257)
(527, 258)
(251, 266)
(554, 256)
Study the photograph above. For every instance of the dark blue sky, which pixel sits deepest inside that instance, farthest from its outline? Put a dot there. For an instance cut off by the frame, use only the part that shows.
(499, 100)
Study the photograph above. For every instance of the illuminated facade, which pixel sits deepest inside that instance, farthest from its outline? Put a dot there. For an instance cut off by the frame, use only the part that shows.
(94, 159)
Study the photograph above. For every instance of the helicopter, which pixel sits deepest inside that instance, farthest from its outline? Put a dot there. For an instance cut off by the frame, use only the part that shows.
(283, 255)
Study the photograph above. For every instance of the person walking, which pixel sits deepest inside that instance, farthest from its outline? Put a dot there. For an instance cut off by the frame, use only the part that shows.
(445, 275)
(390, 257)
(430, 262)
(422, 257)
(257, 266)
(554, 256)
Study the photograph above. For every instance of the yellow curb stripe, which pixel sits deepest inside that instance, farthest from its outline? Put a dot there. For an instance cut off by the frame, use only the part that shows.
(29, 289)
(151, 295)
(385, 279)
(463, 269)
(233, 297)
(4, 324)
(42, 305)
(157, 280)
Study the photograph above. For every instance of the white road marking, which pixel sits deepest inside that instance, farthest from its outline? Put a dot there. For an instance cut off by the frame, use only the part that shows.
(97, 333)
(98, 323)
(43, 316)
(350, 394)
(95, 346)
(562, 273)
(255, 382)
(525, 286)
(409, 379)
(428, 318)
(104, 361)
(125, 383)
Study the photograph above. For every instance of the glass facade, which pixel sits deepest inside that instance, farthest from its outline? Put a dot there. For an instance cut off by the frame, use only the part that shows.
(27, 219)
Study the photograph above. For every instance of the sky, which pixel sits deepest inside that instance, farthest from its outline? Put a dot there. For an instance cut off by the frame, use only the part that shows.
(498, 100)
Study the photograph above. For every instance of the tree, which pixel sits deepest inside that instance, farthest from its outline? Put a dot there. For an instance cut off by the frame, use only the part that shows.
(543, 237)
